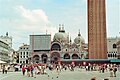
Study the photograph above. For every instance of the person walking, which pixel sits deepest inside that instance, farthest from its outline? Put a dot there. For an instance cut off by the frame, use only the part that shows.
(28, 71)
(115, 70)
(23, 70)
(111, 71)
(3, 69)
(103, 69)
(6, 69)
(32, 68)
(35, 71)
(119, 67)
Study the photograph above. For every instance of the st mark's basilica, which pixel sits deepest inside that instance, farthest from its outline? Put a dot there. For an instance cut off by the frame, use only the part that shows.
(61, 48)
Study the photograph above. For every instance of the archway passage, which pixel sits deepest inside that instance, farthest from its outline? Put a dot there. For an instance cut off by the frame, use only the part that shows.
(56, 47)
(55, 57)
(75, 56)
(82, 56)
(36, 59)
(44, 58)
(66, 56)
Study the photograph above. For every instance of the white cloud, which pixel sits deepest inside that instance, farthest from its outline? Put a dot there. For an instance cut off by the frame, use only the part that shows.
(34, 21)
(36, 15)
(31, 21)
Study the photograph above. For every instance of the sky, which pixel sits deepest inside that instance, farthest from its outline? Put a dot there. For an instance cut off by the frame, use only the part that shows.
(21, 18)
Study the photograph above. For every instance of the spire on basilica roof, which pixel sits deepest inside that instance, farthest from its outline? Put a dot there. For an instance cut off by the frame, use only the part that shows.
(79, 33)
(59, 27)
(6, 33)
(70, 40)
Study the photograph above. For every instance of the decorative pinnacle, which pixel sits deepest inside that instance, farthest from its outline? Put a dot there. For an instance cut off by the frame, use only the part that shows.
(79, 33)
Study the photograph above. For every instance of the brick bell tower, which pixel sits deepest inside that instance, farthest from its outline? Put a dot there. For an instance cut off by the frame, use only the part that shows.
(97, 40)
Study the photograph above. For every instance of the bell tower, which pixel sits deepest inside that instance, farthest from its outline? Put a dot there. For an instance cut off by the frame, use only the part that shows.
(97, 40)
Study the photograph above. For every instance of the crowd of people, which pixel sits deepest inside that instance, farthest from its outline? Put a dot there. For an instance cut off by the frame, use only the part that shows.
(31, 70)
(112, 68)
(35, 69)
(5, 69)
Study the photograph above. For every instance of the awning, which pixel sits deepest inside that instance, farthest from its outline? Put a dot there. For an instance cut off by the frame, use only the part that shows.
(2, 61)
(115, 60)
(86, 60)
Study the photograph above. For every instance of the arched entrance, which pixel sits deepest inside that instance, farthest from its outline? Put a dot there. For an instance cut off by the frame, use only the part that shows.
(36, 59)
(44, 58)
(66, 56)
(55, 56)
(55, 46)
(75, 56)
(82, 56)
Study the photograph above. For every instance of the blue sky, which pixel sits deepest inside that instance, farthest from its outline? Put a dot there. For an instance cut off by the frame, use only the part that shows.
(22, 18)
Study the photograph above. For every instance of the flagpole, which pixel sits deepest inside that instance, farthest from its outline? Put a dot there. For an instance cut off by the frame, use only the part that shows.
(50, 46)
(33, 46)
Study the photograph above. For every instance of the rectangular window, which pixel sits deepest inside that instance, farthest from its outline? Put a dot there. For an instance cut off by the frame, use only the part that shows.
(24, 53)
(27, 53)
(23, 61)
(21, 53)
(20, 61)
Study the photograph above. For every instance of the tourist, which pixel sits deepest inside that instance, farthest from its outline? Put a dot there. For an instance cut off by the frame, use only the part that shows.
(119, 67)
(100, 68)
(21, 67)
(35, 71)
(32, 68)
(6, 69)
(115, 70)
(103, 68)
(23, 70)
(111, 71)
(28, 71)
(3, 69)
(57, 68)
(89, 67)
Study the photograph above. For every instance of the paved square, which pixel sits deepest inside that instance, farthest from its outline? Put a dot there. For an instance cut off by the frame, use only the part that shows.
(65, 75)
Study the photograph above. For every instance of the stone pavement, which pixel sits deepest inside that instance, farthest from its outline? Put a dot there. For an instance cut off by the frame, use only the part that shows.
(65, 75)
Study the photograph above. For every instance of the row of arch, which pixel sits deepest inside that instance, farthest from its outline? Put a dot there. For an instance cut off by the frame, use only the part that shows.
(36, 58)
(55, 57)
(57, 47)
(112, 55)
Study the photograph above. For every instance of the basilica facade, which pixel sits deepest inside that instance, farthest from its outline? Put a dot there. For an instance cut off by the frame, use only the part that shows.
(64, 49)
(61, 48)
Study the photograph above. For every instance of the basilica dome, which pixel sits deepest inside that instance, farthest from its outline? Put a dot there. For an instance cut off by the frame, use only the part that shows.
(79, 39)
(61, 36)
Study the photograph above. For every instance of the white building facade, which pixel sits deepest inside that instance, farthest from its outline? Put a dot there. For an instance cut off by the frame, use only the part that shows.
(24, 54)
(7, 39)
(112, 47)
(118, 49)
(6, 48)
(4, 51)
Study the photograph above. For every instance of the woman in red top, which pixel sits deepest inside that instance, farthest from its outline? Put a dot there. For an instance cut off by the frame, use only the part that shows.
(23, 70)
